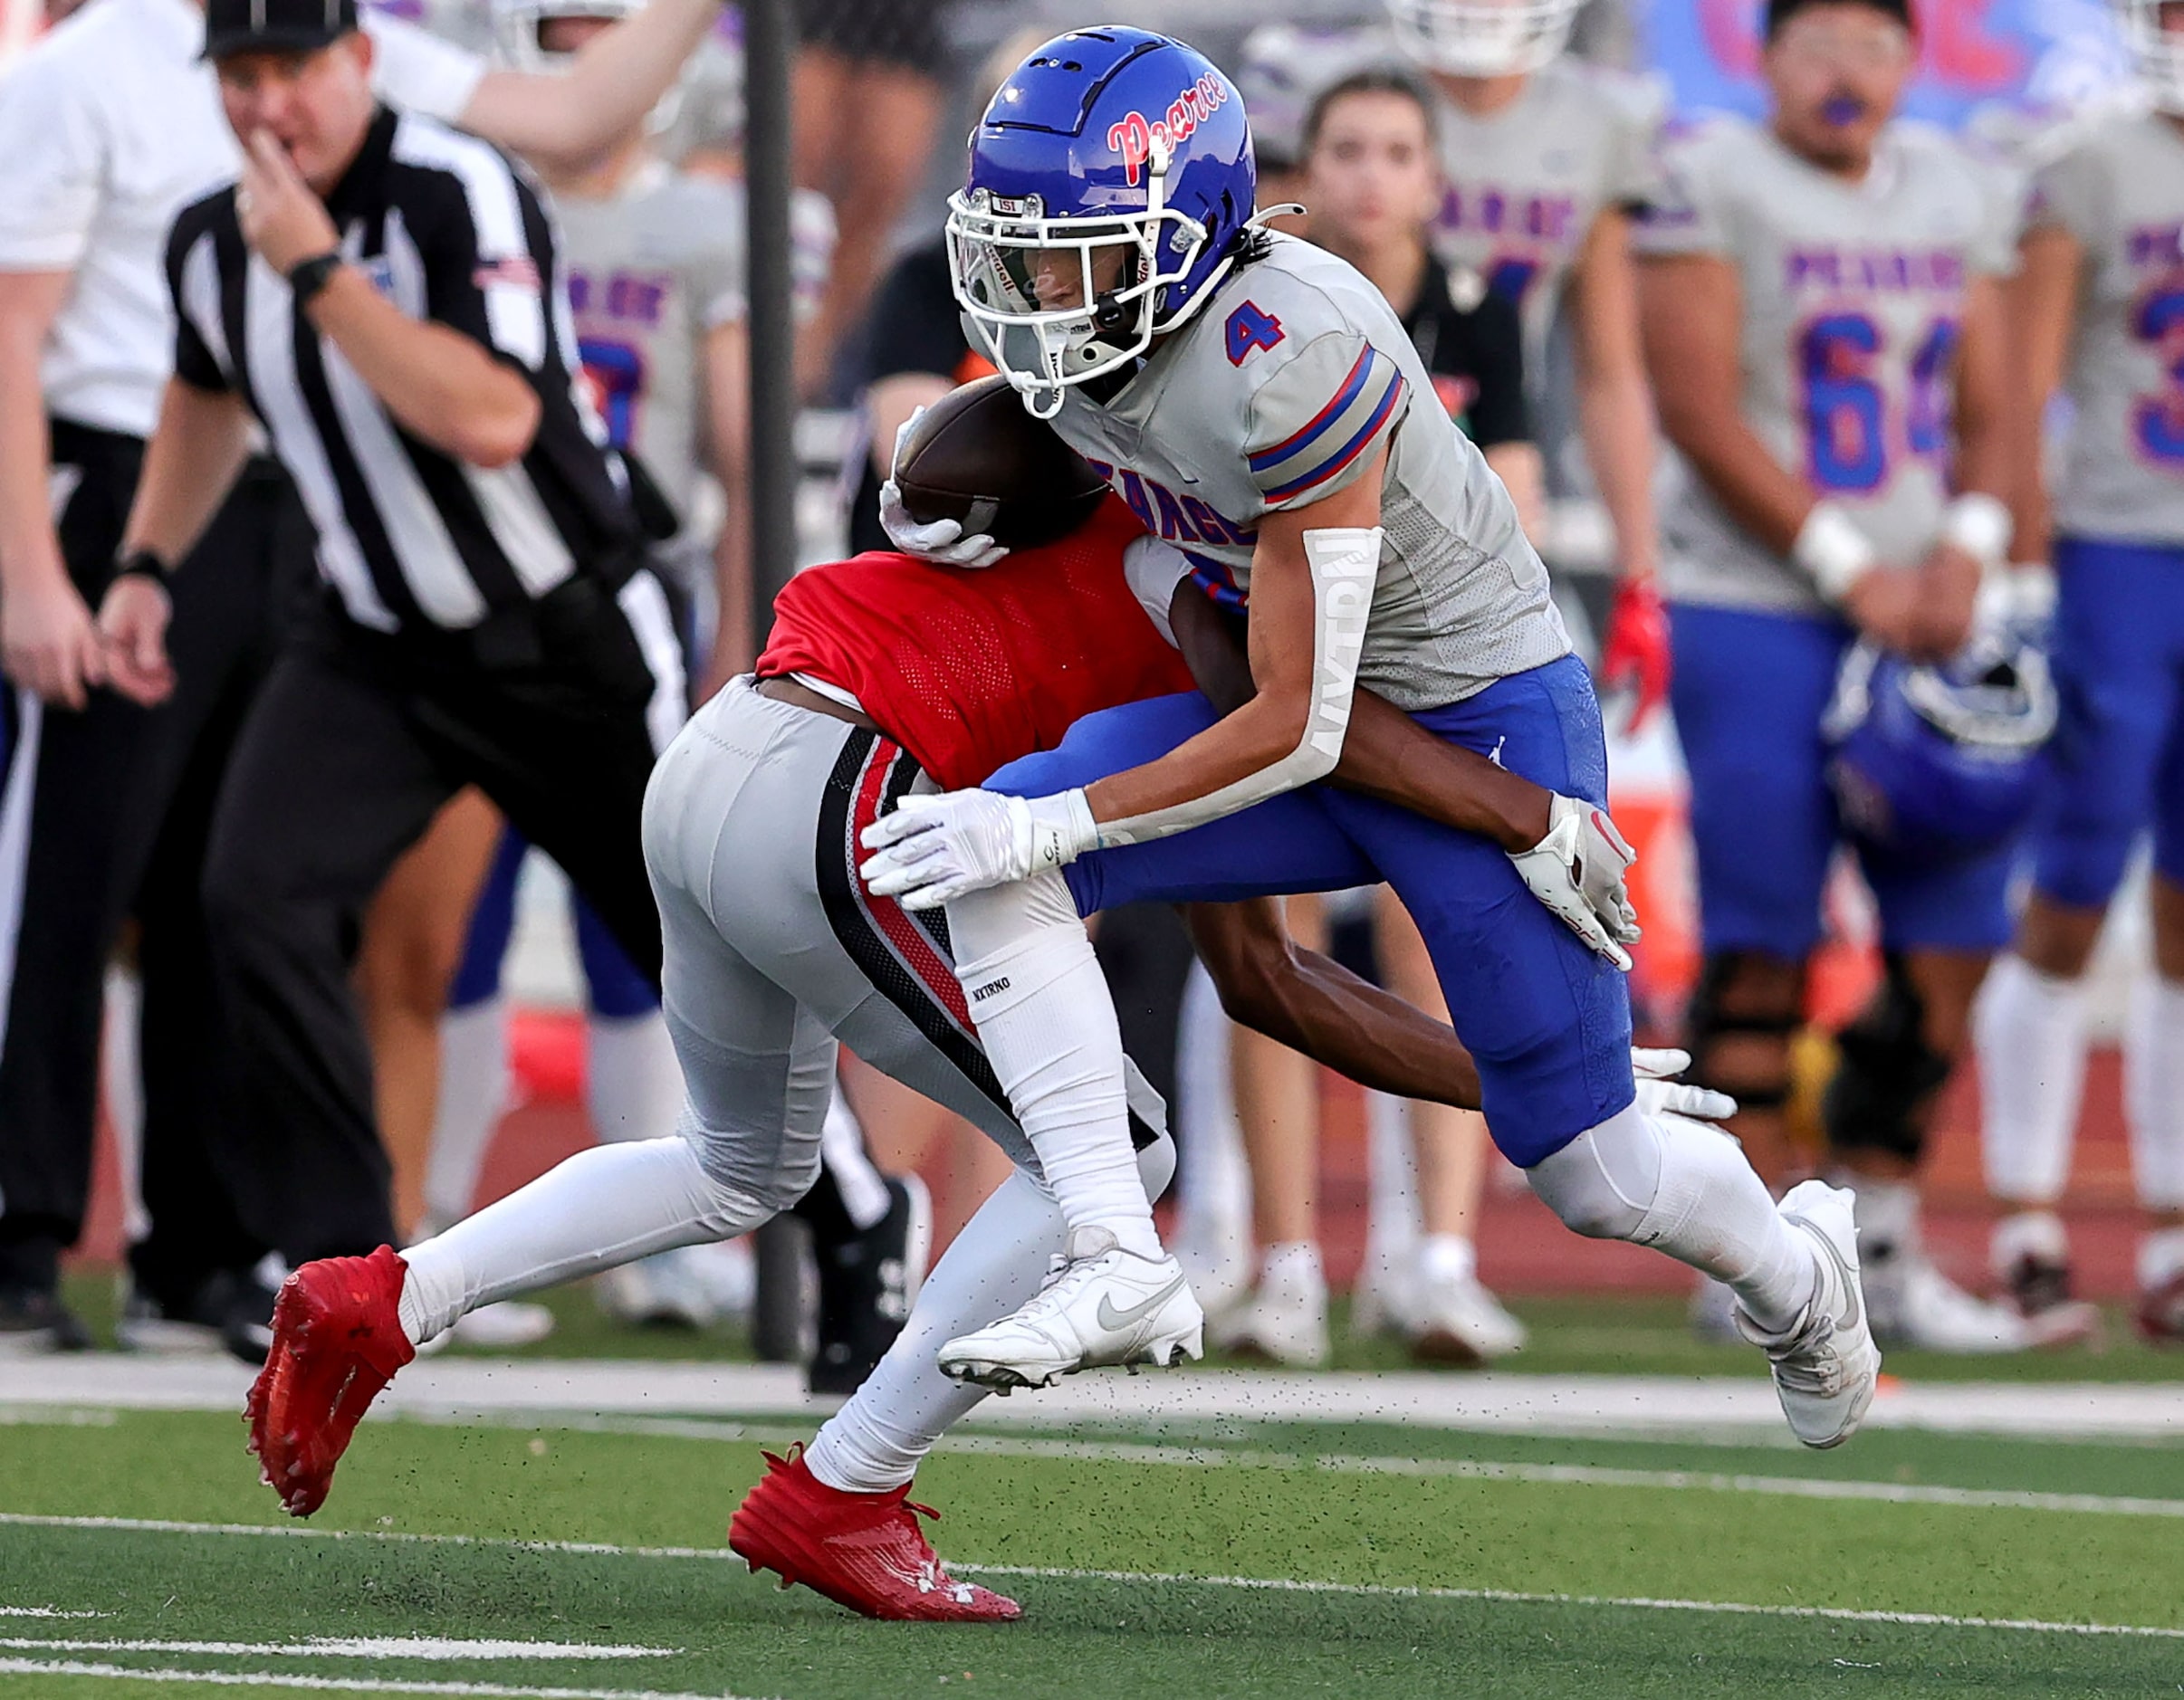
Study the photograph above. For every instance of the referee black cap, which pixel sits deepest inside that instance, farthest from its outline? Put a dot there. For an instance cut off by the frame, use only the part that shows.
(274, 26)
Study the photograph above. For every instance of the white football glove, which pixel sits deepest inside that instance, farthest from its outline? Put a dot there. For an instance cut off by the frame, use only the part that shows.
(932, 850)
(1577, 871)
(940, 541)
(1660, 1093)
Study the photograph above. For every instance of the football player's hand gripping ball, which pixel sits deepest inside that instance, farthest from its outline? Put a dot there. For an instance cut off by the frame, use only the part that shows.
(940, 541)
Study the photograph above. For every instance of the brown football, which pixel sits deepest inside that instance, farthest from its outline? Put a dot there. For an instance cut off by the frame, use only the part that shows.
(977, 456)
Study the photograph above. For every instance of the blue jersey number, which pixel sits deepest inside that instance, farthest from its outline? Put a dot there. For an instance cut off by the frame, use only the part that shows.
(616, 374)
(1250, 329)
(2157, 420)
(1846, 425)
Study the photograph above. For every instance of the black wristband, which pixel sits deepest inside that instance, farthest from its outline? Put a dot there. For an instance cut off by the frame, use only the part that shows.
(141, 563)
(306, 278)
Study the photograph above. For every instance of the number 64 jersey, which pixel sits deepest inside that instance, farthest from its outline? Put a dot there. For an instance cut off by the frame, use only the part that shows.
(1853, 303)
(2118, 187)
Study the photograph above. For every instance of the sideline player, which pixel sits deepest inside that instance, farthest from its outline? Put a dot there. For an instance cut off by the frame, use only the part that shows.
(1548, 158)
(2099, 313)
(1261, 400)
(1824, 319)
(772, 942)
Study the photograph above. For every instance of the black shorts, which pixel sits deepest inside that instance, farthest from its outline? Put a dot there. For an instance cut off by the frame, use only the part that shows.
(905, 35)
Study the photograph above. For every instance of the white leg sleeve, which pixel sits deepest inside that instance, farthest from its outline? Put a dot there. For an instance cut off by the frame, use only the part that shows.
(1214, 1187)
(474, 1093)
(632, 1085)
(2028, 1029)
(121, 1077)
(1684, 1188)
(863, 1187)
(1047, 1024)
(877, 1440)
(2154, 1092)
(611, 1204)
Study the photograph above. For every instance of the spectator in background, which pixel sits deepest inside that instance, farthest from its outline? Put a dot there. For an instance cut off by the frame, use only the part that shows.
(1546, 158)
(868, 98)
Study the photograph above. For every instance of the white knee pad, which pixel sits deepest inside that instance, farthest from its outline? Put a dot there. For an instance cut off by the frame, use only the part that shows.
(1603, 1182)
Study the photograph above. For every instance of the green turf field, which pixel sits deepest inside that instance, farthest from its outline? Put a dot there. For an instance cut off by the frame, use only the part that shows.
(1358, 1560)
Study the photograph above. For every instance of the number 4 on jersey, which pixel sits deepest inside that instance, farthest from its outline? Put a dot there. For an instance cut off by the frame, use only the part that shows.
(1250, 329)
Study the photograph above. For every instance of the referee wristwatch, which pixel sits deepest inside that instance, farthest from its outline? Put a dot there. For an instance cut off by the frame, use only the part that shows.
(306, 278)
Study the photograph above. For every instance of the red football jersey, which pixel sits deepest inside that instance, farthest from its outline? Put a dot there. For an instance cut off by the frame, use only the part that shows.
(970, 670)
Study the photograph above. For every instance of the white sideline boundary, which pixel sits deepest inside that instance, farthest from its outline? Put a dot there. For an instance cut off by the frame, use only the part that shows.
(1254, 1584)
(1499, 1401)
(329, 1685)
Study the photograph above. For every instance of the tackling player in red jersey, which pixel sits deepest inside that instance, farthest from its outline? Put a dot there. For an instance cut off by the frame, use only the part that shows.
(881, 668)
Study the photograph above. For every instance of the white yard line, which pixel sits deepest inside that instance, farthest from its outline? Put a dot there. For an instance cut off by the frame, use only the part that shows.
(330, 1684)
(44, 1611)
(1148, 1578)
(353, 1647)
(1505, 1401)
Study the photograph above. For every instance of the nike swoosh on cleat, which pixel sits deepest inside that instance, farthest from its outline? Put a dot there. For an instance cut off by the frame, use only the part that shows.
(1850, 1282)
(1111, 1318)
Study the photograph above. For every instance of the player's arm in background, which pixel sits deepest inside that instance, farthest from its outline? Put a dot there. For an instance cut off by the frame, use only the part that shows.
(1614, 408)
(2040, 308)
(1499, 419)
(728, 441)
(618, 77)
(49, 645)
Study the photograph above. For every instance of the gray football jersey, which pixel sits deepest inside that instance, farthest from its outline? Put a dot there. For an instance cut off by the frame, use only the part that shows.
(652, 271)
(1278, 393)
(1853, 298)
(2119, 188)
(1523, 184)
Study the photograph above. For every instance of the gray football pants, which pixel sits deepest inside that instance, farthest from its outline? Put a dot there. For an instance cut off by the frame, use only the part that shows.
(774, 952)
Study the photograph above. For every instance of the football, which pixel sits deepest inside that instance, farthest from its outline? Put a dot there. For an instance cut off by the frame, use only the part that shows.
(977, 456)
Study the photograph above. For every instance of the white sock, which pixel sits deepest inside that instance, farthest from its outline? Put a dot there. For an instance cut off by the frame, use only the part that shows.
(993, 1267)
(611, 1204)
(877, 1440)
(2160, 1258)
(1393, 1220)
(2029, 1031)
(121, 1077)
(1685, 1189)
(1887, 1214)
(2035, 1234)
(2154, 1092)
(1048, 1022)
(863, 1189)
(633, 1086)
(1448, 1259)
(475, 1089)
(1293, 1268)
(1214, 1187)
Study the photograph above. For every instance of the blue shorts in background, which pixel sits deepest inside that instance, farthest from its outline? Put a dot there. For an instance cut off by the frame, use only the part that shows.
(617, 991)
(1548, 1021)
(2119, 664)
(1749, 693)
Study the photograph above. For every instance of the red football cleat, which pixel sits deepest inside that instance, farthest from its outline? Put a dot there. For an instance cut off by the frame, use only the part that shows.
(867, 1551)
(338, 1340)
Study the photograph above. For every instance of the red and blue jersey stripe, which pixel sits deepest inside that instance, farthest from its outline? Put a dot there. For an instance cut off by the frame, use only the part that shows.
(1335, 437)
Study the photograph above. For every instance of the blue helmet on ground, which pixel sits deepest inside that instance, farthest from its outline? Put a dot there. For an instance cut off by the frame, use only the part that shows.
(1937, 764)
(1111, 181)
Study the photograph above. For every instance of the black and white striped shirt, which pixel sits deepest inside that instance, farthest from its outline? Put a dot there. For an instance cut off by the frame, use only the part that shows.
(448, 229)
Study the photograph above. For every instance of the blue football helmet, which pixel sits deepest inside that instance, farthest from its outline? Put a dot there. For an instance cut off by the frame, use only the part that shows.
(1111, 179)
(1939, 764)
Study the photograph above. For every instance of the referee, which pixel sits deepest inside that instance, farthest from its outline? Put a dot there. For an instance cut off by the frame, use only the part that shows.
(379, 292)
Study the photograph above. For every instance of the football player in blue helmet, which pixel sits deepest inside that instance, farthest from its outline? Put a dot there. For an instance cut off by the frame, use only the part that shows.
(1258, 404)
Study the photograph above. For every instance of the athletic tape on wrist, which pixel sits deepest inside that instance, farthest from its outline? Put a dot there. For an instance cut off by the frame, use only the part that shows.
(1979, 525)
(1833, 550)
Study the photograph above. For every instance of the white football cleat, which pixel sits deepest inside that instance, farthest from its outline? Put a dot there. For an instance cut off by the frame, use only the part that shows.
(1101, 1305)
(504, 1326)
(1459, 1322)
(1912, 1304)
(1825, 1363)
(1283, 1320)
